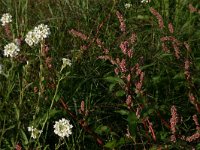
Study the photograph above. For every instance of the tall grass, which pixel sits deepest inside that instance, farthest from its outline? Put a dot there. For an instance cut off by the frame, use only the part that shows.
(133, 83)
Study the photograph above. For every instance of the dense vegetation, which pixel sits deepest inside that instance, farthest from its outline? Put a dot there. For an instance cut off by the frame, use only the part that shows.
(124, 73)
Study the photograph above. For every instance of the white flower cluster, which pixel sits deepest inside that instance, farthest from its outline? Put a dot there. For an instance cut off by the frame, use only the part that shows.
(128, 5)
(6, 18)
(62, 128)
(34, 132)
(145, 1)
(11, 50)
(66, 62)
(38, 34)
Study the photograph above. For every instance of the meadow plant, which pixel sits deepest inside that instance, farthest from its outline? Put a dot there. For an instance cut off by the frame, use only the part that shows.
(145, 1)
(120, 78)
(62, 128)
(35, 133)
(128, 5)
(38, 34)
(6, 19)
(11, 50)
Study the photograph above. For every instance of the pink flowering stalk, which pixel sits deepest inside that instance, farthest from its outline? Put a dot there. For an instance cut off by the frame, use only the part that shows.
(176, 50)
(171, 28)
(101, 45)
(187, 46)
(151, 130)
(133, 38)
(173, 122)
(129, 101)
(196, 122)
(78, 34)
(192, 8)
(124, 46)
(187, 69)
(138, 85)
(170, 38)
(122, 65)
(121, 21)
(175, 44)
(165, 48)
(196, 135)
(193, 137)
(107, 57)
(194, 101)
(158, 16)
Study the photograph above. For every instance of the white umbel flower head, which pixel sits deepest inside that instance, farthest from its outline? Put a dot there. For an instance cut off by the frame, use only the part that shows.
(42, 31)
(11, 50)
(34, 132)
(6, 18)
(38, 34)
(66, 62)
(31, 38)
(128, 5)
(63, 128)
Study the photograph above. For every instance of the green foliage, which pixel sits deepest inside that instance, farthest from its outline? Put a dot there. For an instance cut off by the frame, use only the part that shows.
(110, 103)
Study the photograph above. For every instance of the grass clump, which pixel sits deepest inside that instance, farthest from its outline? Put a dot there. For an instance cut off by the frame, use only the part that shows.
(84, 74)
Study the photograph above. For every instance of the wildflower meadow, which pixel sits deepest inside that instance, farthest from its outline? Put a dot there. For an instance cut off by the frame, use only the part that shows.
(99, 74)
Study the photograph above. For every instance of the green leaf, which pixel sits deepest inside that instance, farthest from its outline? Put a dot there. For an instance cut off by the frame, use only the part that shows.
(122, 141)
(16, 111)
(146, 66)
(47, 146)
(179, 76)
(105, 129)
(143, 17)
(111, 87)
(132, 123)
(102, 129)
(67, 73)
(24, 137)
(120, 93)
(165, 55)
(50, 114)
(57, 97)
(122, 112)
(111, 144)
(10, 127)
(114, 80)
(156, 79)
(116, 143)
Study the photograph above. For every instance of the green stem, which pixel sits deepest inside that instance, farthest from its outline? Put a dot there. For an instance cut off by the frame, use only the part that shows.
(40, 80)
(56, 92)
(53, 100)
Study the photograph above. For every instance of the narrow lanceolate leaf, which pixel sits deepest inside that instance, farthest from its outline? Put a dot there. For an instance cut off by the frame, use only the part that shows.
(114, 80)
(24, 137)
(122, 112)
(132, 123)
(120, 93)
(16, 111)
